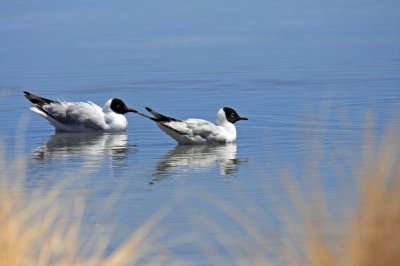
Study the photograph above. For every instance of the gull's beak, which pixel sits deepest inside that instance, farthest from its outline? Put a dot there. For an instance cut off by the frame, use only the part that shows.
(243, 118)
(131, 110)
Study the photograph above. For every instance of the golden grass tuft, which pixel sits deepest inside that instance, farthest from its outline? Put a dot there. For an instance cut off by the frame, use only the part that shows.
(41, 227)
(370, 233)
(374, 233)
(365, 232)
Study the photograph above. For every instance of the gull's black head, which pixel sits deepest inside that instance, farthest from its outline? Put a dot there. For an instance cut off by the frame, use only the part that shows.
(119, 107)
(232, 116)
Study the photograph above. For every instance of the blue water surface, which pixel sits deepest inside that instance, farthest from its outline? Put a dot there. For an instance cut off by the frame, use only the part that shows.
(316, 79)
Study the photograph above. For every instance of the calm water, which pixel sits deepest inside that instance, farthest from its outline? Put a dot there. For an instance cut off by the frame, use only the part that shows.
(306, 73)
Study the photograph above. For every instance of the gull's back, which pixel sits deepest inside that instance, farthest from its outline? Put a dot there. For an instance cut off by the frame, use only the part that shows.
(72, 116)
(193, 131)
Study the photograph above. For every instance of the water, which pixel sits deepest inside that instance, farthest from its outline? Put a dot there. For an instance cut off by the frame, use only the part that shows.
(307, 74)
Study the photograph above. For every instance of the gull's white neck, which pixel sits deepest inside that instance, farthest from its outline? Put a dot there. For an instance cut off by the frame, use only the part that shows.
(112, 120)
(225, 124)
(107, 107)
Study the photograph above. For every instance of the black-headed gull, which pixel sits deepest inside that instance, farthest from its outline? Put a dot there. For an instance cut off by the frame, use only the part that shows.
(199, 131)
(81, 116)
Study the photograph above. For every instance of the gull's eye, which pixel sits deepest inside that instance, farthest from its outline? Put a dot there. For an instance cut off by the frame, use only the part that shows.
(232, 115)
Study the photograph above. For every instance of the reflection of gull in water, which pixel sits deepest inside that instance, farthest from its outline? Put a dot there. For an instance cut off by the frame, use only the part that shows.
(87, 147)
(198, 158)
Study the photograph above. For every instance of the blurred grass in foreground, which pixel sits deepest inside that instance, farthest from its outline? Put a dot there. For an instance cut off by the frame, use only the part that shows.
(41, 227)
(36, 227)
(370, 233)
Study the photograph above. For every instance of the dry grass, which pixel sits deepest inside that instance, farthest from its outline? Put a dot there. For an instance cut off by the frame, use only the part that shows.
(365, 232)
(371, 234)
(38, 228)
(43, 228)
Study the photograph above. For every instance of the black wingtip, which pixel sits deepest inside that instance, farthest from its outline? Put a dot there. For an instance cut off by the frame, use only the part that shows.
(159, 117)
(27, 94)
(37, 99)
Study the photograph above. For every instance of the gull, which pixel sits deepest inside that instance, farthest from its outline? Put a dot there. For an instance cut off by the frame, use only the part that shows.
(81, 116)
(199, 131)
